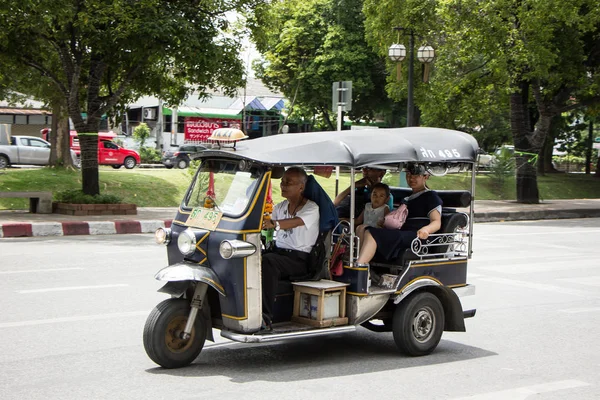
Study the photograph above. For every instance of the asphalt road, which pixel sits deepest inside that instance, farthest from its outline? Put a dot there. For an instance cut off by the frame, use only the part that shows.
(73, 310)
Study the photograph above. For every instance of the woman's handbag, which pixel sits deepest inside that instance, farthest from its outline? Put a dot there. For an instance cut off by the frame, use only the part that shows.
(395, 219)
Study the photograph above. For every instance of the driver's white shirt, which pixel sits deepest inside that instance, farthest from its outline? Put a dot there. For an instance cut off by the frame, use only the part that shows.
(301, 238)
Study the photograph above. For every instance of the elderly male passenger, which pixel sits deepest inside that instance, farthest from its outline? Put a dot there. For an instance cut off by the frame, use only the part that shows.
(296, 222)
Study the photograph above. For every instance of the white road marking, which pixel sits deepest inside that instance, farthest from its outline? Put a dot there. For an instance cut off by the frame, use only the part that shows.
(579, 310)
(532, 267)
(558, 233)
(586, 280)
(35, 271)
(471, 275)
(526, 256)
(72, 319)
(539, 286)
(62, 289)
(524, 392)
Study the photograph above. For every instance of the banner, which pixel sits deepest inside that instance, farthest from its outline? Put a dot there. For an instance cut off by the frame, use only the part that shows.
(199, 129)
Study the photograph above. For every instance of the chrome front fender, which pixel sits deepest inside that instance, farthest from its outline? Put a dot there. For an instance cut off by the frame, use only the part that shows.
(185, 271)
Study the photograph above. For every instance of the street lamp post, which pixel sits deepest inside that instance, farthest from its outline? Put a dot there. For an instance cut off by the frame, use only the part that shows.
(397, 53)
(410, 113)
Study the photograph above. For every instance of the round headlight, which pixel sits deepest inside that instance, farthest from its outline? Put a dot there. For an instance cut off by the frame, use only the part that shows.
(186, 242)
(226, 249)
(236, 249)
(162, 236)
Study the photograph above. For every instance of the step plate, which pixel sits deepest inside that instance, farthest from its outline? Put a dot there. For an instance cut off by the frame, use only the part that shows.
(284, 332)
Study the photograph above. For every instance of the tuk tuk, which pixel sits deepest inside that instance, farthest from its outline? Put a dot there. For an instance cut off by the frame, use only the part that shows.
(215, 243)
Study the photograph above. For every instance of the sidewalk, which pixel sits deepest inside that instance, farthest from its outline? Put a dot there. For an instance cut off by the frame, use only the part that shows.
(22, 223)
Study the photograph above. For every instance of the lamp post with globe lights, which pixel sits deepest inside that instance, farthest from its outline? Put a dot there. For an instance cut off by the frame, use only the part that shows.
(397, 53)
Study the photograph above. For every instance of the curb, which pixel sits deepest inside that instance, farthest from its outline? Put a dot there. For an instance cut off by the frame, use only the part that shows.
(70, 228)
(81, 228)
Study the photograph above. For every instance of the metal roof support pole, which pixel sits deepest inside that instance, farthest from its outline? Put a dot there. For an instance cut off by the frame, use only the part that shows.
(340, 116)
(472, 210)
(352, 208)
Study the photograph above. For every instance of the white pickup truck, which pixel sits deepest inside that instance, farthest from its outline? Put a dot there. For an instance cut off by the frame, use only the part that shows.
(28, 150)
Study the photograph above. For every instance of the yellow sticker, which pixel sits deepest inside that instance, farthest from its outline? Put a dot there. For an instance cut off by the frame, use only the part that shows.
(204, 218)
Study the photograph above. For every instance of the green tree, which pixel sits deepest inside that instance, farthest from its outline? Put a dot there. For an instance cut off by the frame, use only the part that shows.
(308, 45)
(102, 54)
(538, 57)
(141, 133)
(19, 85)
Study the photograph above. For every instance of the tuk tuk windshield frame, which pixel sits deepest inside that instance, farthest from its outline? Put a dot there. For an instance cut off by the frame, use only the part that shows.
(229, 184)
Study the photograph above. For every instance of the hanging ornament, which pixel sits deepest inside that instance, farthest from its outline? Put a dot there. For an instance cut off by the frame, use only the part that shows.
(209, 200)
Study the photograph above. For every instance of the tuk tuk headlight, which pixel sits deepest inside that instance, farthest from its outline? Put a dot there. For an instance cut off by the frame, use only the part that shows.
(236, 249)
(186, 242)
(162, 236)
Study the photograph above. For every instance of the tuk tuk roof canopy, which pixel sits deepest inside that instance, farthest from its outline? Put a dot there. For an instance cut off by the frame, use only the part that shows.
(358, 148)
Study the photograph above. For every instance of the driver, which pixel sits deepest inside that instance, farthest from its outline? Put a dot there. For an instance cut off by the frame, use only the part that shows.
(296, 221)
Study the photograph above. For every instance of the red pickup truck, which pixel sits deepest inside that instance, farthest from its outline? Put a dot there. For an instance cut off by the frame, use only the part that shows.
(109, 153)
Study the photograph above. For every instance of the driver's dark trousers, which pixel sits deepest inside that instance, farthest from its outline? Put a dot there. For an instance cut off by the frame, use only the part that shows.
(278, 265)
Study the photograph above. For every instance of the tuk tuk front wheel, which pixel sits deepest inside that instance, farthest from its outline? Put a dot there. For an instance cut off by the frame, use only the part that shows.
(163, 334)
(418, 324)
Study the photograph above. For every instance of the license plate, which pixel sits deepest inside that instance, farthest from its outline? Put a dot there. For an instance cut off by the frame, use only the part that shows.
(204, 218)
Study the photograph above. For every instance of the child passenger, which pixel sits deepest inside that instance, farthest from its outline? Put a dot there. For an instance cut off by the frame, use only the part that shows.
(375, 211)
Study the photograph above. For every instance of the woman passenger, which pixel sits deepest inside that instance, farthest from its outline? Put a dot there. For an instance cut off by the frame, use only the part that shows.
(424, 218)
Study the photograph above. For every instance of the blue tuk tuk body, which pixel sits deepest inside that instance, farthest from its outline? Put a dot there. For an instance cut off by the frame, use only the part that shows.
(214, 248)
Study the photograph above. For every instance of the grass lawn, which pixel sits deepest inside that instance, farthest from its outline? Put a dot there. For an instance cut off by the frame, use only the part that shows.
(144, 187)
(166, 187)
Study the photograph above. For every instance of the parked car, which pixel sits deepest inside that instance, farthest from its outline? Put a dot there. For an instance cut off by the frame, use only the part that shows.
(182, 156)
(110, 153)
(74, 139)
(485, 160)
(29, 150)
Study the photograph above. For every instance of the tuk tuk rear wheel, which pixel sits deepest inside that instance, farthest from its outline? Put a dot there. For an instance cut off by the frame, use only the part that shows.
(418, 324)
(162, 334)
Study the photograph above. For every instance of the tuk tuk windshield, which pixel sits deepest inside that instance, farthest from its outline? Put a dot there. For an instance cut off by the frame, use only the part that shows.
(230, 185)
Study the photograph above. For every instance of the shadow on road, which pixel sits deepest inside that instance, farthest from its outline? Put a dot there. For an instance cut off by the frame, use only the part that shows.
(313, 358)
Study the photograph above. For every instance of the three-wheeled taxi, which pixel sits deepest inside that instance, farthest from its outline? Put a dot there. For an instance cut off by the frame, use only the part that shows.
(215, 243)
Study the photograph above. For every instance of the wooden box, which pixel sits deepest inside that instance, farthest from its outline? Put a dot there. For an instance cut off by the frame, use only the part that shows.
(315, 303)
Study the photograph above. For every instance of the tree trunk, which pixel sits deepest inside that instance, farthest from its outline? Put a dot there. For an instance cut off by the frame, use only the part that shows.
(328, 119)
(88, 141)
(417, 116)
(53, 135)
(545, 157)
(527, 190)
(64, 138)
(589, 144)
